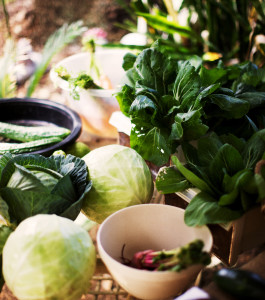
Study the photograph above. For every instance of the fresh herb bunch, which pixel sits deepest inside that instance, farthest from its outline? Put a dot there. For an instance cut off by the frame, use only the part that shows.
(223, 169)
(170, 101)
(82, 80)
(173, 260)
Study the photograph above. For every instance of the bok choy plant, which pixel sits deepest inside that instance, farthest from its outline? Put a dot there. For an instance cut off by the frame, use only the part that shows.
(171, 101)
(222, 168)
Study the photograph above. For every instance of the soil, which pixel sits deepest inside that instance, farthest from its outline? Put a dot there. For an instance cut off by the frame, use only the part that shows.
(37, 19)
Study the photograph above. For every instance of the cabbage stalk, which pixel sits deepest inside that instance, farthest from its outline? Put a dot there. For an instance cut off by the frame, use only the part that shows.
(120, 178)
(48, 257)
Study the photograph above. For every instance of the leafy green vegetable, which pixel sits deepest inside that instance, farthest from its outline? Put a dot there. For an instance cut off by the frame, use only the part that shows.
(83, 81)
(120, 178)
(171, 102)
(222, 168)
(31, 184)
(48, 257)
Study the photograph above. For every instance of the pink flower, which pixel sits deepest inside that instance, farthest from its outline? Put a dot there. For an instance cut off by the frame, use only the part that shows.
(95, 33)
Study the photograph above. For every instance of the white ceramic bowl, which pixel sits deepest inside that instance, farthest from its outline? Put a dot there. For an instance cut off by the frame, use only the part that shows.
(142, 227)
(95, 106)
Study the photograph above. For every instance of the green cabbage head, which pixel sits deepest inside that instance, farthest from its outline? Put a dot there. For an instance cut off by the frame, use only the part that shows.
(48, 257)
(120, 178)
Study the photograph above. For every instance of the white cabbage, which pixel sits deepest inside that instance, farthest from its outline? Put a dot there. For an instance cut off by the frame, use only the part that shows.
(48, 257)
(120, 178)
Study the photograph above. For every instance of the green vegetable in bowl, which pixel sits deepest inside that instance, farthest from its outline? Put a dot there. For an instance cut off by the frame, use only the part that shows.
(48, 257)
(32, 133)
(83, 80)
(120, 178)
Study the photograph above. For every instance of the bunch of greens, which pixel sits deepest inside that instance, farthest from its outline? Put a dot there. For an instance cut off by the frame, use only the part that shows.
(170, 101)
(82, 80)
(222, 168)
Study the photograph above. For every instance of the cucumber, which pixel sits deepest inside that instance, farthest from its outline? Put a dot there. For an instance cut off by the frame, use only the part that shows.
(241, 284)
(31, 133)
(27, 146)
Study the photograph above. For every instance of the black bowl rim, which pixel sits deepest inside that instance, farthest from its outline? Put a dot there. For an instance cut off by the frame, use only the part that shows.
(77, 123)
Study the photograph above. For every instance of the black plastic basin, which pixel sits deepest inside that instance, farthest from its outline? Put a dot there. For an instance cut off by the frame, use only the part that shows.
(30, 111)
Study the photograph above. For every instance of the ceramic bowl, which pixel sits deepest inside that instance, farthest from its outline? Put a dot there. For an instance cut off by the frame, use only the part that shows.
(30, 112)
(94, 106)
(142, 227)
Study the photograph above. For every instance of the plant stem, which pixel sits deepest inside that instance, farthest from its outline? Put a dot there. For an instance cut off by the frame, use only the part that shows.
(6, 18)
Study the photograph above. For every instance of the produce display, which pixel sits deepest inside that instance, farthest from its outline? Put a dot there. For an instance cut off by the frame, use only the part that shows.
(48, 257)
(120, 178)
(173, 260)
(214, 117)
(31, 138)
(171, 102)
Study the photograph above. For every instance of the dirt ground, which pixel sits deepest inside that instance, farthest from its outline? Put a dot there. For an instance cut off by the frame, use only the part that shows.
(37, 19)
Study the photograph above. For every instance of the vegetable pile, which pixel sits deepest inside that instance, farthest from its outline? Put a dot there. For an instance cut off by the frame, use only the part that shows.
(173, 260)
(171, 101)
(215, 117)
(48, 257)
(120, 178)
(32, 137)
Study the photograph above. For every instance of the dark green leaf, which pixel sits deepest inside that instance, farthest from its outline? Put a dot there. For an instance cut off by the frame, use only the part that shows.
(33, 184)
(176, 130)
(142, 111)
(193, 126)
(255, 99)
(26, 203)
(204, 209)
(254, 149)
(211, 76)
(232, 107)
(170, 180)
(186, 86)
(208, 147)
(155, 70)
(159, 152)
(191, 177)
(234, 185)
(234, 141)
(125, 98)
(128, 61)
(227, 160)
